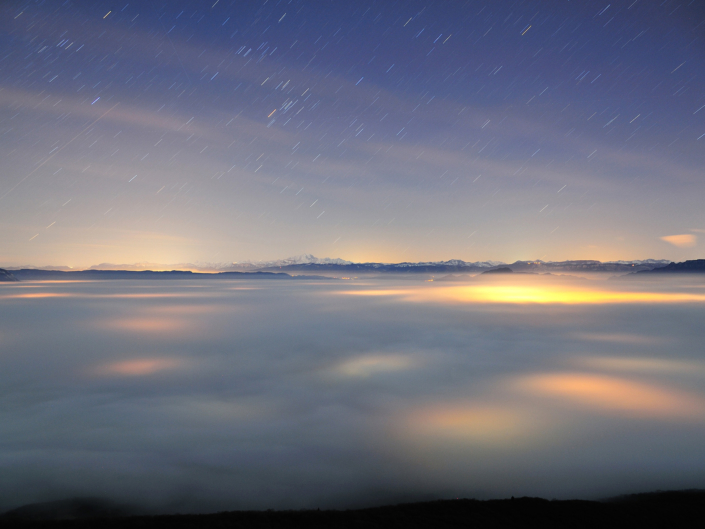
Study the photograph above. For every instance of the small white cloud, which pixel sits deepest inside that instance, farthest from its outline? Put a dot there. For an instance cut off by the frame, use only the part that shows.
(685, 240)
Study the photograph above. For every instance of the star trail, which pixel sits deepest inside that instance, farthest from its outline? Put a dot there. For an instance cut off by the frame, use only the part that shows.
(189, 131)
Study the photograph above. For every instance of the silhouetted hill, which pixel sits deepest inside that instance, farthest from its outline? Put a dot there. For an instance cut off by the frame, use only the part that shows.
(696, 266)
(376, 268)
(72, 509)
(458, 266)
(585, 266)
(312, 270)
(7, 276)
(500, 270)
(660, 509)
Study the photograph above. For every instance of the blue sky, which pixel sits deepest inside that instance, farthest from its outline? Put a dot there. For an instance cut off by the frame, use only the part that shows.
(372, 131)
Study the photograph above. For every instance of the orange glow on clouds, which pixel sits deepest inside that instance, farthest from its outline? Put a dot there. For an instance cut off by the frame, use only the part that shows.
(148, 325)
(388, 292)
(684, 240)
(514, 293)
(42, 295)
(467, 424)
(647, 365)
(161, 318)
(621, 338)
(138, 367)
(614, 395)
(556, 294)
(364, 366)
(37, 295)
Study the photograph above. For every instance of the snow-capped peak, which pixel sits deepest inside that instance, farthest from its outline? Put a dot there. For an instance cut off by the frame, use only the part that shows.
(296, 260)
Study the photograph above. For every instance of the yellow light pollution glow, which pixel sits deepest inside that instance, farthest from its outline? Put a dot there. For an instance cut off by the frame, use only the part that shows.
(556, 294)
(532, 293)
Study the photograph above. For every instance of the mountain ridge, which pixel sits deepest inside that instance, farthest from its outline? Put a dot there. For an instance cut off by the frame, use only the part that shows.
(309, 264)
(457, 265)
(6, 276)
(694, 266)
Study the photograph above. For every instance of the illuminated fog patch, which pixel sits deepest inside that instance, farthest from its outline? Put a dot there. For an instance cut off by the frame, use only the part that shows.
(365, 366)
(138, 367)
(529, 290)
(615, 395)
(148, 325)
(545, 294)
(646, 365)
(295, 394)
(36, 295)
(469, 424)
(621, 338)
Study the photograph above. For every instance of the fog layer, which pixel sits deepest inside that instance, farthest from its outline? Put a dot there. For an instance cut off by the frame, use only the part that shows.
(204, 396)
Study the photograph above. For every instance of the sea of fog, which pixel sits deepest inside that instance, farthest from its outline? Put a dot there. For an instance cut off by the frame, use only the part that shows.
(210, 395)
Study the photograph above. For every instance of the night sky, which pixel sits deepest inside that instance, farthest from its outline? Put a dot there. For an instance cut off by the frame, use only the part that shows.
(219, 131)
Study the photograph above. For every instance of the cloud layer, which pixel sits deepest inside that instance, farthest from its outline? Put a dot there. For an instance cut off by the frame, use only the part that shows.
(247, 394)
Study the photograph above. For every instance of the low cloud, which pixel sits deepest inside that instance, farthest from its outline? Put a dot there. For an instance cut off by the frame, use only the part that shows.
(684, 240)
(264, 395)
(365, 366)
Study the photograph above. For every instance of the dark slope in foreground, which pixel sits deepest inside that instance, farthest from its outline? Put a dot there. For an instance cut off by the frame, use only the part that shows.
(660, 509)
(31, 274)
(696, 266)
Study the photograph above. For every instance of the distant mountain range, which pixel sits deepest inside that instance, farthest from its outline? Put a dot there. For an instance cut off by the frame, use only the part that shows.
(458, 266)
(6, 276)
(291, 261)
(310, 265)
(33, 274)
(238, 266)
(696, 266)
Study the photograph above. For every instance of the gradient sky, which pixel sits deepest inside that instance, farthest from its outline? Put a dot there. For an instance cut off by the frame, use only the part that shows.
(188, 131)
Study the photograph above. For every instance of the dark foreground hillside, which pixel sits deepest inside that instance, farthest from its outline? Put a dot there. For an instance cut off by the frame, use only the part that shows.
(660, 509)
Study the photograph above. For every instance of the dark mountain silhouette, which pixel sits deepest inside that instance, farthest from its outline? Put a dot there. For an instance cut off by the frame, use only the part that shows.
(500, 270)
(31, 274)
(7, 276)
(458, 266)
(585, 266)
(696, 266)
(660, 509)
(313, 270)
(72, 509)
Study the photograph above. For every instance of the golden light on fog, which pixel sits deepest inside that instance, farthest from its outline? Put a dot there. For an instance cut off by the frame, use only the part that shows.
(186, 310)
(162, 318)
(364, 366)
(559, 294)
(473, 423)
(646, 365)
(137, 367)
(529, 291)
(38, 295)
(614, 395)
(380, 293)
(83, 295)
(147, 325)
(621, 338)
